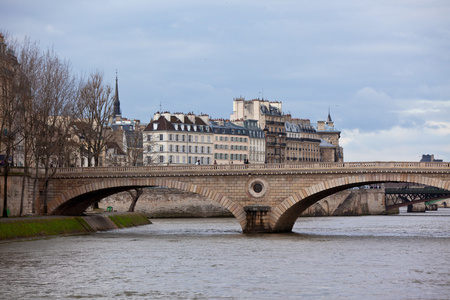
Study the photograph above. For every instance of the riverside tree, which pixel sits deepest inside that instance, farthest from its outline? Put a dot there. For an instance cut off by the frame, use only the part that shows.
(11, 112)
(96, 109)
(54, 106)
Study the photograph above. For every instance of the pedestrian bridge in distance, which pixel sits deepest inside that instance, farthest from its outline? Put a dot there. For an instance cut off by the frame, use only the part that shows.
(263, 198)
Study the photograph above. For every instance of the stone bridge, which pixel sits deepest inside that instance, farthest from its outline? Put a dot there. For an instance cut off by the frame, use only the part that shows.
(263, 198)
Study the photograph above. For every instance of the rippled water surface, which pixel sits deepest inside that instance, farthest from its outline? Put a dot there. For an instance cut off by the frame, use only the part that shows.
(373, 257)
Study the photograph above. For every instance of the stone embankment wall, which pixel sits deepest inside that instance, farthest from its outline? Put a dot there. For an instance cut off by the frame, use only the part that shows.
(354, 202)
(167, 203)
(39, 227)
(14, 195)
(171, 203)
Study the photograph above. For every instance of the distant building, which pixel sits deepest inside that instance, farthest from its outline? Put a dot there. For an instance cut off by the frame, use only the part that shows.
(331, 151)
(429, 158)
(270, 119)
(303, 142)
(178, 139)
(257, 141)
(231, 142)
(289, 139)
(126, 135)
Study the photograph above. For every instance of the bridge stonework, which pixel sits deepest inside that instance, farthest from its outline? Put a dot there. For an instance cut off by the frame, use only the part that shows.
(263, 198)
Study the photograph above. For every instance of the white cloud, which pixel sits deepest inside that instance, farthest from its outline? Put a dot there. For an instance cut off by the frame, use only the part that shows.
(397, 143)
(51, 29)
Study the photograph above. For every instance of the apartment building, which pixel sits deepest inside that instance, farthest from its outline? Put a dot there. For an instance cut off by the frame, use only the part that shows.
(178, 139)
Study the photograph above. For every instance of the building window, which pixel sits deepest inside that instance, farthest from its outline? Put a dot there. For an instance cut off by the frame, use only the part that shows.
(161, 137)
(161, 159)
(161, 148)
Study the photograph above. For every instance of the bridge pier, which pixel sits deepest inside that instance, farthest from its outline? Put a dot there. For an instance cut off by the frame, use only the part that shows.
(257, 219)
(417, 207)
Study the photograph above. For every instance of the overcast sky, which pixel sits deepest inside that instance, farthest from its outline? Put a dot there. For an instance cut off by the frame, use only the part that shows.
(381, 67)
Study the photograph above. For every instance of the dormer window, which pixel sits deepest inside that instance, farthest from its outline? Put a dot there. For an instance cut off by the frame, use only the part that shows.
(176, 126)
(155, 126)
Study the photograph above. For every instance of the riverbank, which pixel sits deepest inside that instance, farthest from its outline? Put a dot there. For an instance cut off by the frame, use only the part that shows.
(46, 226)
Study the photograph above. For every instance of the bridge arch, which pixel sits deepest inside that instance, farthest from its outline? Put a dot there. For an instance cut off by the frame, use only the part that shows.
(284, 215)
(77, 200)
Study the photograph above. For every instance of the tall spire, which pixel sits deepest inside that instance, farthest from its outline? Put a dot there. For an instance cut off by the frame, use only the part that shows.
(329, 116)
(117, 111)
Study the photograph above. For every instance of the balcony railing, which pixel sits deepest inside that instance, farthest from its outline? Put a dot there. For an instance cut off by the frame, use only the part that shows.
(287, 166)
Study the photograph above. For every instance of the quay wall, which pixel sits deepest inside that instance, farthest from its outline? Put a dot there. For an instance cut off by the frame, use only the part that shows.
(173, 203)
(42, 227)
(14, 194)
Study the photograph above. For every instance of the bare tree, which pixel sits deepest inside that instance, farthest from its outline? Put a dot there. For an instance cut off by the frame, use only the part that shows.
(11, 108)
(135, 194)
(53, 106)
(96, 107)
(30, 60)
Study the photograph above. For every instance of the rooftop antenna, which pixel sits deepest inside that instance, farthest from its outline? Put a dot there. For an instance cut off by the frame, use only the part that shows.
(160, 109)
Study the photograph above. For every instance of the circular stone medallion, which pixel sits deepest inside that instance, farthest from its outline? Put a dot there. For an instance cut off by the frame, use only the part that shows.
(257, 187)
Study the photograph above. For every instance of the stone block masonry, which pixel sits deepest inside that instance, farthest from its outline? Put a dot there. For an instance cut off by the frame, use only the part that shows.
(288, 189)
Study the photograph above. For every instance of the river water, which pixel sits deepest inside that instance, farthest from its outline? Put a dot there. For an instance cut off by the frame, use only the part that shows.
(403, 256)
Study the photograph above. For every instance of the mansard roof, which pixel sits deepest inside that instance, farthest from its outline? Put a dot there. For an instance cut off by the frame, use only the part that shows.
(273, 111)
(228, 128)
(199, 121)
(176, 124)
(325, 144)
(292, 127)
(162, 124)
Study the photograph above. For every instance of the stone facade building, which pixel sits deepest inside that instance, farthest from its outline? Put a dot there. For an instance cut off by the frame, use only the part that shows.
(331, 151)
(269, 116)
(257, 141)
(303, 142)
(288, 139)
(231, 142)
(178, 139)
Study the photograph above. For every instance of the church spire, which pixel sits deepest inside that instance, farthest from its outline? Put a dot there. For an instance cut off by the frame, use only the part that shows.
(117, 111)
(329, 116)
